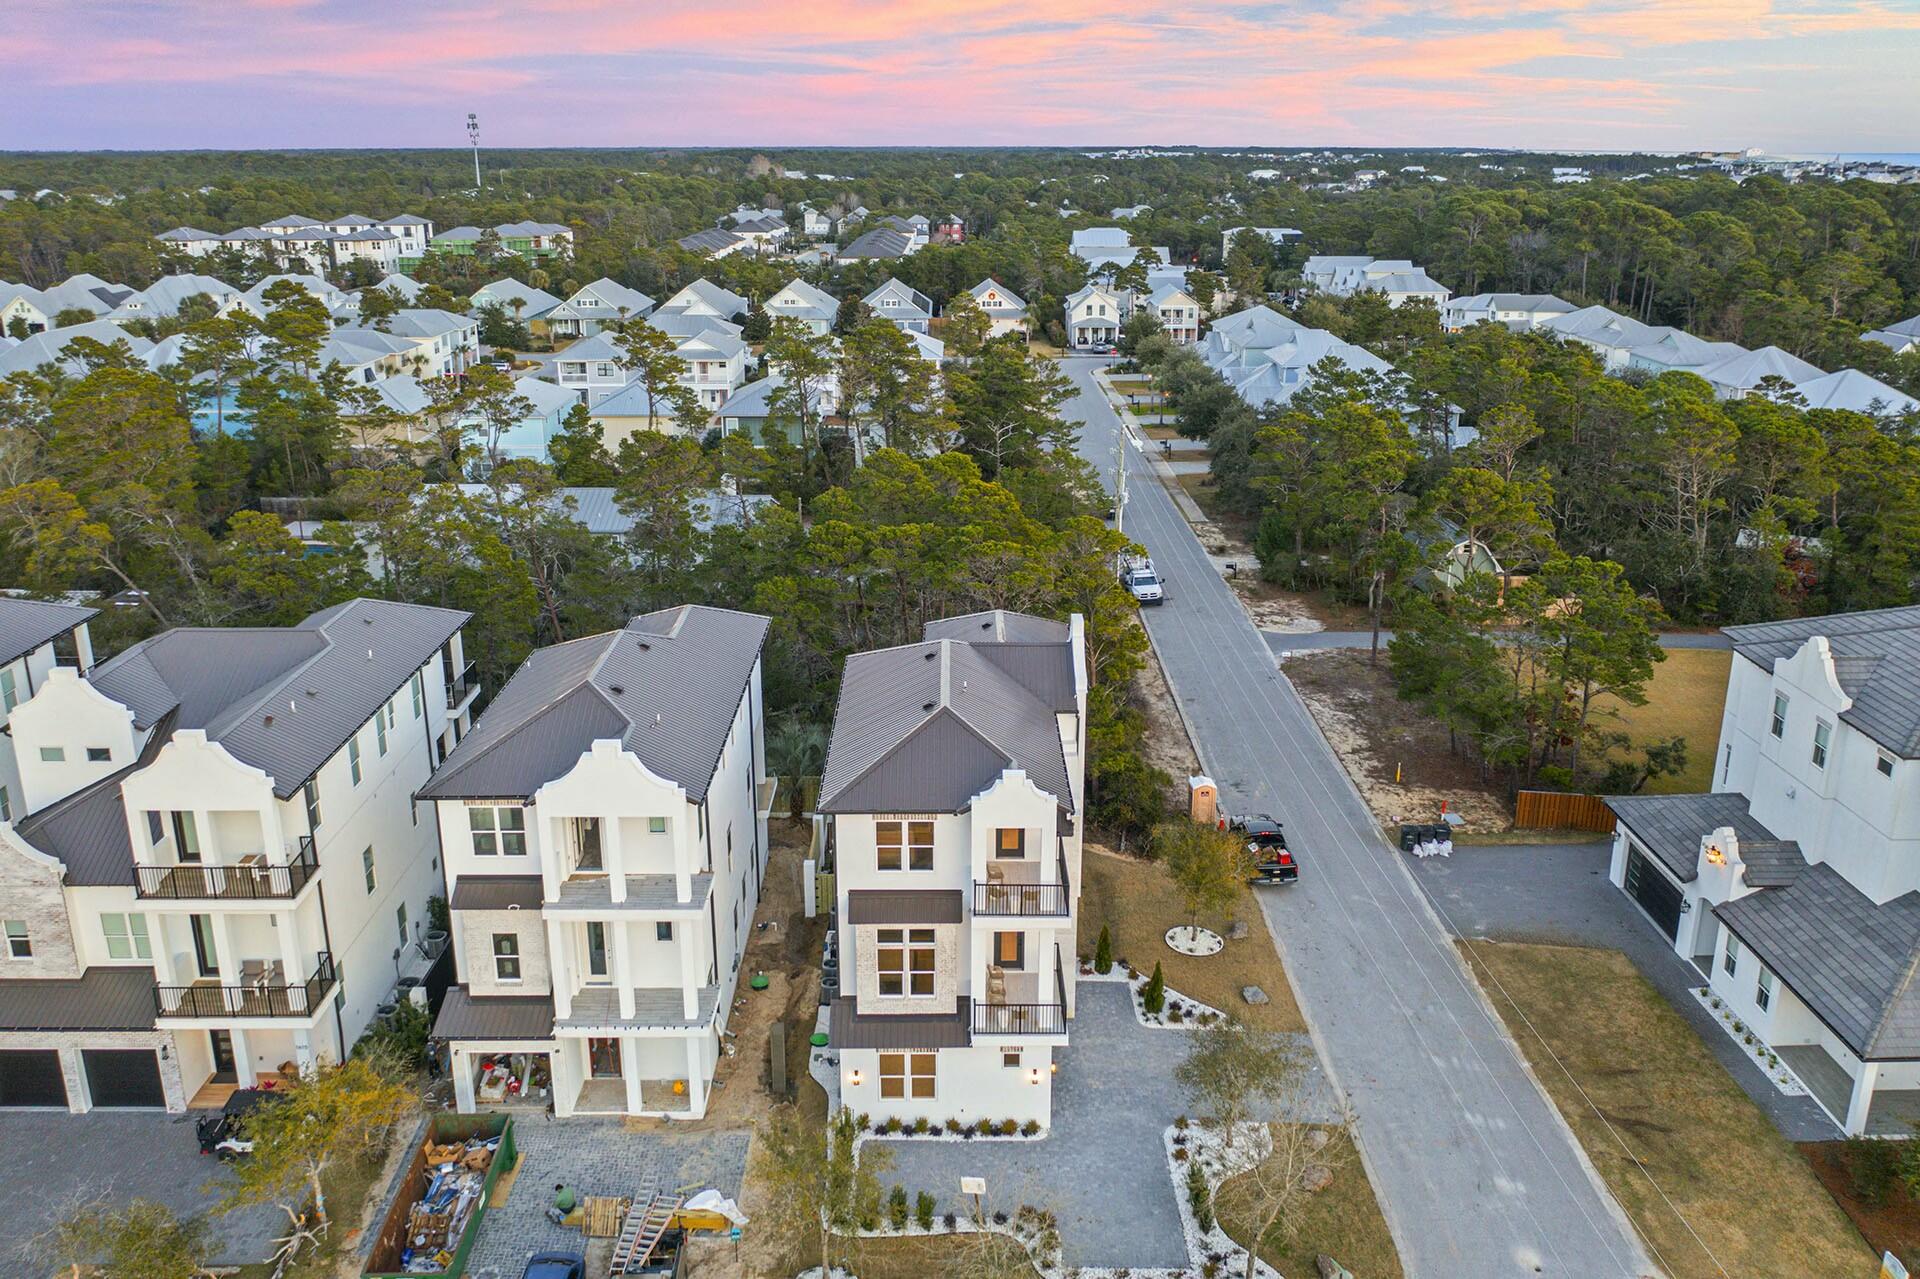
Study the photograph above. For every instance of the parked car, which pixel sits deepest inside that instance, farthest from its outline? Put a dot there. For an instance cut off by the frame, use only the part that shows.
(1267, 841)
(555, 1265)
(219, 1133)
(1143, 583)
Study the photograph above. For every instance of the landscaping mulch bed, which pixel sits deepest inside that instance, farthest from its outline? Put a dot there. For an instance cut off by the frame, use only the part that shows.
(1892, 1225)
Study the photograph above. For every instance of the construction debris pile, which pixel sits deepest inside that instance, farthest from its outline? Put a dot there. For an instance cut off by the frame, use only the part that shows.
(456, 1176)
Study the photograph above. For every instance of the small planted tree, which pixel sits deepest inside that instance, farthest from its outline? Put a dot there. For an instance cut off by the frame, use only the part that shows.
(1103, 952)
(1207, 865)
(816, 1181)
(335, 1116)
(1153, 996)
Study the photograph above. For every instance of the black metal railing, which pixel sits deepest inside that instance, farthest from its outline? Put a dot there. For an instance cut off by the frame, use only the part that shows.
(998, 897)
(251, 999)
(258, 881)
(460, 684)
(1020, 1019)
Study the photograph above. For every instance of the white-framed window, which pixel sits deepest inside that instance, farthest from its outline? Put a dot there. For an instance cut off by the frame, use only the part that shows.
(126, 936)
(53, 754)
(366, 868)
(9, 688)
(311, 793)
(400, 921)
(906, 961)
(6, 805)
(1731, 960)
(1822, 740)
(19, 942)
(418, 688)
(1883, 764)
(656, 825)
(380, 731)
(353, 757)
(498, 831)
(1779, 726)
(1763, 989)
(663, 930)
(908, 844)
(904, 1073)
(506, 957)
(1010, 1057)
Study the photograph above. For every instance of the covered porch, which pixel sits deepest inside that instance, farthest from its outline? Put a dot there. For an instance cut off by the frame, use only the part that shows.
(666, 1076)
(1882, 1111)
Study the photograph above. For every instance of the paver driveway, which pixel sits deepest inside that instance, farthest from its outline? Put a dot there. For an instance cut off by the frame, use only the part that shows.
(53, 1158)
(1102, 1168)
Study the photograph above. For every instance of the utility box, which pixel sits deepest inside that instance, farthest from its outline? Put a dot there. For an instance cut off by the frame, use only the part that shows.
(1203, 799)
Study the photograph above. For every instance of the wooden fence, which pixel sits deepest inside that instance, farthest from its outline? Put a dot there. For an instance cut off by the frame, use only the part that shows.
(1542, 809)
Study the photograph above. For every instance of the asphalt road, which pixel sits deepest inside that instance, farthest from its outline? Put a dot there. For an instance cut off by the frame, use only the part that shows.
(1475, 1170)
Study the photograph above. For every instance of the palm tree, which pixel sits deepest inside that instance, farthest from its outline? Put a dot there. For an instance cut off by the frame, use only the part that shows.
(796, 750)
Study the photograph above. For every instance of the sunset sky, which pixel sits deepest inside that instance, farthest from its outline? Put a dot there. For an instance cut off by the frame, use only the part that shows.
(1786, 75)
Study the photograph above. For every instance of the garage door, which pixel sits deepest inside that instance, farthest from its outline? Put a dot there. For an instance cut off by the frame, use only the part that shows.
(123, 1077)
(32, 1078)
(1654, 891)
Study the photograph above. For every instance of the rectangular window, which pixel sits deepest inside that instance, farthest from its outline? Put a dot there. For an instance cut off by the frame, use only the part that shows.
(419, 695)
(156, 827)
(311, 792)
(506, 957)
(904, 1072)
(380, 731)
(1731, 960)
(6, 805)
(19, 945)
(1763, 991)
(1779, 714)
(366, 867)
(1822, 739)
(400, 921)
(53, 754)
(98, 754)
(1010, 1057)
(920, 961)
(663, 931)
(1010, 950)
(656, 825)
(186, 837)
(353, 757)
(126, 936)
(887, 837)
(9, 688)
(1884, 764)
(498, 831)
(596, 949)
(1010, 841)
(892, 961)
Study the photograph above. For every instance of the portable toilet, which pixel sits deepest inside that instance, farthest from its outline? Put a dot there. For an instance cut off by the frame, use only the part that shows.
(1203, 799)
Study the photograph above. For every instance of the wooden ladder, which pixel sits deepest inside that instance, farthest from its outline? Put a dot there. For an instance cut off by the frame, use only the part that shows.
(640, 1233)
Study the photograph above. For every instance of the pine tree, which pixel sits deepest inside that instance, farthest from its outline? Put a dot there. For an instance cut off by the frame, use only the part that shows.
(1154, 997)
(1103, 953)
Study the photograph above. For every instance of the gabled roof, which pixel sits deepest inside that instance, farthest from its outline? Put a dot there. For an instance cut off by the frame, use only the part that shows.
(597, 347)
(667, 687)
(1535, 303)
(1850, 960)
(711, 240)
(50, 346)
(990, 285)
(1876, 657)
(705, 294)
(27, 624)
(1670, 826)
(426, 322)
(1854, 391)
(612, 295)
(535, 302)
(881, 242)
(800, 300)
(916, 301)
(1257, 326)
(520, 230)
(926, 727)
(186, 233)
(282, 699)
(1746, 370)
(1598, 325)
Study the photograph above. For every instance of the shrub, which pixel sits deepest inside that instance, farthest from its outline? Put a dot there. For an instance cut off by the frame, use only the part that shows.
(401, 1038)
(1000, 1218)
(879, 1130)
(1008, 1127)
(1153, 996)
(897, 1208)
(1181, 1123)
(861, 1122)
(1103, 953)
(1199, 1197)
(953, 1126)
(1031, 1127)
(1873, 1168)
(951, 1221)
(966, 1132)
(893, 1123)
(1179, 1154)
(923, 1210)
(920, 1125)
(1179, 1139)
(1173, 1015)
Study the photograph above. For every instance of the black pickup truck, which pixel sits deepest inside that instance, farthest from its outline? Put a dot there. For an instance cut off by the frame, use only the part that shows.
(1268, 842)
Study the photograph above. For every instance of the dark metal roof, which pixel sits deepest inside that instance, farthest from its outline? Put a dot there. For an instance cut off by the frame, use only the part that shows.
(283, 699)
(1876, 658)
(666, 687)
(102, 998)
(904, 906)
(926, 727)
(900, 1032)
(497, 892)
(998, 626)
(27, 624)
(1851, 961)
(465, 1016)
(1670, 826)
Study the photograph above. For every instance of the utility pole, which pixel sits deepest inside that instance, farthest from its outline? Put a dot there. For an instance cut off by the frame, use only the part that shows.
(473, 136)
(1120, 480)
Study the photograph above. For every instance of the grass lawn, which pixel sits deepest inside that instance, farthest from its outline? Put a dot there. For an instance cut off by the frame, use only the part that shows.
(1202, 490)
(1343, 1221)
(1685, 698)
(1138, 904)
(1651, 1085)
(908, 1257)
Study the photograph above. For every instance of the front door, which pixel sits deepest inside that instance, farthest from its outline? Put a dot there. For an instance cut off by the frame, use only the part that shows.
(223, 1071)
(1010, 950)
(586, 838)
(186, 838)
(603, 1058)
(204, 952)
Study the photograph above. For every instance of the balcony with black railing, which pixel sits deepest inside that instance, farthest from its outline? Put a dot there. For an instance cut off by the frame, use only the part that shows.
(461, 685)
(1014, 897)
(251, 878)
(262, 992)
(993, 1016)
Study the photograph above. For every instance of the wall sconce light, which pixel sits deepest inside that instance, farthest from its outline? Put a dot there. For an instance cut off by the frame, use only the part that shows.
(1033, 1076)
(853, 1077)
(1715, 856)
(1053, 1067)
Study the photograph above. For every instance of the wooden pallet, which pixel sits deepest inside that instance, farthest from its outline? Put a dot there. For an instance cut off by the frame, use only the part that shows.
(604, 1213)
